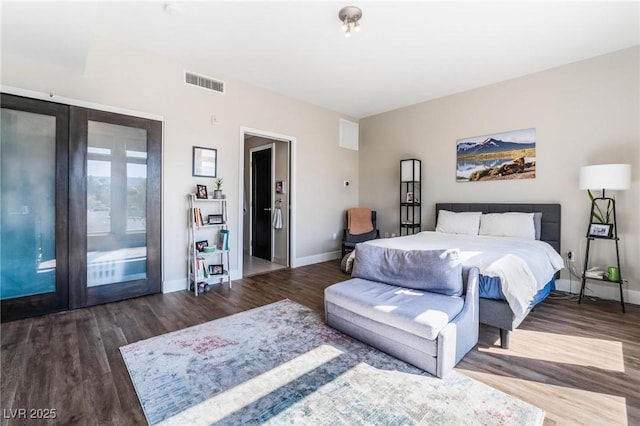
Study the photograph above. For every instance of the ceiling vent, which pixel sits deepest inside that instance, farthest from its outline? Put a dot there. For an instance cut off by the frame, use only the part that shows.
(204, 82)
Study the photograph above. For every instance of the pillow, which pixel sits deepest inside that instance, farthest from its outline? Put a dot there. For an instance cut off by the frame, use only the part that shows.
(436, 271)
(508, 225)
(537, 224)
(458, 223)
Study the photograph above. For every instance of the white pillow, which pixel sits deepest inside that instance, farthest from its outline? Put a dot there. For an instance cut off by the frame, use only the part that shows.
(508, 225)
(458, 223)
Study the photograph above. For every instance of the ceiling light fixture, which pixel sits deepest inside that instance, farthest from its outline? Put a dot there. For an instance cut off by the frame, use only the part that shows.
(173, 9)
(350, 18)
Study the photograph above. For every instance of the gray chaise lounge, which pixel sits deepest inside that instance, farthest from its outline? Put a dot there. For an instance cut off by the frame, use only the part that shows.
(426, 316)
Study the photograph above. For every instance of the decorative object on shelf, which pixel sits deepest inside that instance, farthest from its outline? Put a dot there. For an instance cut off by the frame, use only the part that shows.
(205, 162)
(215, 219)
(217, 193)
(200, 245)
(216, 269)
(223, 240)
(350, 17)
(600, 230)
(612, 274)
(603, 224)
(507, 155)
(410, 186)
(201, 192)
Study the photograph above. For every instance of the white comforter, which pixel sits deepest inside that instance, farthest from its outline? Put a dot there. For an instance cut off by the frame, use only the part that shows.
(524, 266)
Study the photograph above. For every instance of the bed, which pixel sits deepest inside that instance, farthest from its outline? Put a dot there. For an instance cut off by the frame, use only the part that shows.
(516, 273)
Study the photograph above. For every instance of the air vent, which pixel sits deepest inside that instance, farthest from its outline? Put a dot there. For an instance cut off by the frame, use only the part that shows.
(204, 82)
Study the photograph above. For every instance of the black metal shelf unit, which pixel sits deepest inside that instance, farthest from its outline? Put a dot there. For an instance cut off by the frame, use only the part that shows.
(592, 236)
(410, 196)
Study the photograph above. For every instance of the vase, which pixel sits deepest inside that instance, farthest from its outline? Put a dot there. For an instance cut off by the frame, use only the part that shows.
(217, 194)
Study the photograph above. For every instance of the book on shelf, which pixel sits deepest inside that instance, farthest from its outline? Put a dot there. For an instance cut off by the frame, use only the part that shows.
(593, 273)
(197, 217)
(202, 269)
(223, 240)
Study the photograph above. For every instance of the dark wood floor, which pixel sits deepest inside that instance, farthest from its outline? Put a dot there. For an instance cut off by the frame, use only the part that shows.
(579, 363)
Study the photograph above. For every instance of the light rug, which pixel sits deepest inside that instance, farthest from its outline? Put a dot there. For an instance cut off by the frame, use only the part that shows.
(280, 364)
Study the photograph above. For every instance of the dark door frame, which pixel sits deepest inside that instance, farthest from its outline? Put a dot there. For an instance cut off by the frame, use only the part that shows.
(40, 304)
(81, 295)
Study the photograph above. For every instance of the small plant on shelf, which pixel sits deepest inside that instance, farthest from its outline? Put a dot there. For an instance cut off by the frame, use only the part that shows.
(217, 193)
(598, 214)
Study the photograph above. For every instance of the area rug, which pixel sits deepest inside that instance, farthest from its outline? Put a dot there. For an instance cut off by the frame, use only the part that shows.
(280, 364)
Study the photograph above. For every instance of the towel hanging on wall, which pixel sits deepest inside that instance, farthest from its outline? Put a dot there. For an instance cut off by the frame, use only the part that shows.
(277, 218)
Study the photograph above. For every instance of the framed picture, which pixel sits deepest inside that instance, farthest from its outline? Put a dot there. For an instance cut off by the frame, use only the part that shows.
(216, 269)
(201, 191)
(215, 219)
(600, 230)
(200, 245)
(409, 197)
(498, 156)
(205, 162)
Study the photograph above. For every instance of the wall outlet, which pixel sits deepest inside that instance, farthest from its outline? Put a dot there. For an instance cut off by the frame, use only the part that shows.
(570, 256)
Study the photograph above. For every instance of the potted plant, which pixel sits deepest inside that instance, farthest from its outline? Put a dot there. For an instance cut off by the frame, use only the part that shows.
(598, 215)
(217, 193)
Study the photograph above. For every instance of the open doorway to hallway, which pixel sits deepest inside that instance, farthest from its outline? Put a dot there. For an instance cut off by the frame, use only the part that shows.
(267, 200)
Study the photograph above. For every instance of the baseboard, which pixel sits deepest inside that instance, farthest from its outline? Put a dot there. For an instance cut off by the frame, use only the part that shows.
(280, 260)
(181, 283)
(310, 260)
(598, 289)
(174, 285)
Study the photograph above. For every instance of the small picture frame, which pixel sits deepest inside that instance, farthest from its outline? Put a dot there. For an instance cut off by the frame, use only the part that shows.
(205, 162)
(600, 230)
(279, 187)
(200, 245)
(409, 197)
(215, 219)
(216, 269)
(201, 192)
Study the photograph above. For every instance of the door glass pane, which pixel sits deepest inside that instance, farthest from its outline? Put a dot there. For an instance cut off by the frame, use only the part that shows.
(116, 204)
(27, 204)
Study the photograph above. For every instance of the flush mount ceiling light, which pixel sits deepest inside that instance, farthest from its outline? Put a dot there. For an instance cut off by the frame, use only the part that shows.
(173, 9)
(350, 18)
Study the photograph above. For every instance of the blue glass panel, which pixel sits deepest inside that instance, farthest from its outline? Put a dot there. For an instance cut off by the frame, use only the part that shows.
(27, 204)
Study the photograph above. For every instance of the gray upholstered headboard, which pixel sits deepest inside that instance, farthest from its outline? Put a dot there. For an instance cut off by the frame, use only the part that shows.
(550, 231)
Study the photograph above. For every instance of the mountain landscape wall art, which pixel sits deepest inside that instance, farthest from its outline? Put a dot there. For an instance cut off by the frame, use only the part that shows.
(507, 155)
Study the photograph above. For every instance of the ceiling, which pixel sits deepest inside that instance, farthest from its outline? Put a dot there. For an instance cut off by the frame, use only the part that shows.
(406, 52)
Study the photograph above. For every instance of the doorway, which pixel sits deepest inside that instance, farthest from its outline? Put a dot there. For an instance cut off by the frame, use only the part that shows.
(267, 200)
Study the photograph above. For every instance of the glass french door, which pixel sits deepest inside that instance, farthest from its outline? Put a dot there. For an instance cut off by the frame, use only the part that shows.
(115, 176)
(33, 207)
(79, 207)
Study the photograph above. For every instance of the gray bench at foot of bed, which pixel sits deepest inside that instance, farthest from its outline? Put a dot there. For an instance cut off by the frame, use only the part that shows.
(428, 329)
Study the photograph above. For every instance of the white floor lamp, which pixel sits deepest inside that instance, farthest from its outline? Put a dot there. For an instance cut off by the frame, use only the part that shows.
(605, 177)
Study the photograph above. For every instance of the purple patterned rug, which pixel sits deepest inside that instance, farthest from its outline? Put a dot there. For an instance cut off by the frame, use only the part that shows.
(280, 364)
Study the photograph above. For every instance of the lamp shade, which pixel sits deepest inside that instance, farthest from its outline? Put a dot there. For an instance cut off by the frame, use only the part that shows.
(410, 170)
(605, 176)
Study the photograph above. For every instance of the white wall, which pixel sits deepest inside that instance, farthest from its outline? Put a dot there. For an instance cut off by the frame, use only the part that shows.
(584, 113)
(119, 76)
